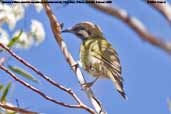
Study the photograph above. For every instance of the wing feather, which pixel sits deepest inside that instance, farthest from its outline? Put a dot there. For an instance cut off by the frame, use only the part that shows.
(110, 59)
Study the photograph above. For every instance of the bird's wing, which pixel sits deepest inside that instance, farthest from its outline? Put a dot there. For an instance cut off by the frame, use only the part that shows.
(108, 56)
(110, 59)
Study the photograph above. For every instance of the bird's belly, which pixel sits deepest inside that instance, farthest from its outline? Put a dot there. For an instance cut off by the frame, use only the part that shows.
(93, 66)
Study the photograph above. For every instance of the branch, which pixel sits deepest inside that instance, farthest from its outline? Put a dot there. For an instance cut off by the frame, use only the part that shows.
(16, 109)
(36, 90)
(2, 60)
(163, 8)
(67, 90)
(134, 24)
(57, 33)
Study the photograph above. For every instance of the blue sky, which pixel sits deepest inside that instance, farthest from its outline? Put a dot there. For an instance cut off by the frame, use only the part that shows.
(146, 69)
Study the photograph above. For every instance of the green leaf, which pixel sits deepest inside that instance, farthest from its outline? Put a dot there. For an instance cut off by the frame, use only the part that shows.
(23, 73)
(5, 92)
(1, 86)
(14, 39)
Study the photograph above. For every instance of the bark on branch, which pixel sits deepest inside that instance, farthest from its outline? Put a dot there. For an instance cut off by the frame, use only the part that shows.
(35, 89)
(16, 109)
(134, 24)
(52, 82)
(163, 8)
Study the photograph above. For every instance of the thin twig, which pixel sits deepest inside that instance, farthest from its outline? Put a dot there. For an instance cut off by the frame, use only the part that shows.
(67, 90)
(16, 109)
(163, 8)
(57, 33)
(2, 60)
(133, 23)
(36, 90)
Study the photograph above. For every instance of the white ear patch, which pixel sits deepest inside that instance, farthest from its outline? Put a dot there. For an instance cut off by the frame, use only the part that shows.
(83, 33)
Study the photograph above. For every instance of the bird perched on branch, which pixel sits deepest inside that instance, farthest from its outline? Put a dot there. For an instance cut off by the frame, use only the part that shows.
(97, 56)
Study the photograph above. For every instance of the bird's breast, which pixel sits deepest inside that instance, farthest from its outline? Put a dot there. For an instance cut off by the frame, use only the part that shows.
(90, 63)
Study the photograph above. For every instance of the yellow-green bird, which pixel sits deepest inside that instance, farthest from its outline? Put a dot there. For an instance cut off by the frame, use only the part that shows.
(97, 56)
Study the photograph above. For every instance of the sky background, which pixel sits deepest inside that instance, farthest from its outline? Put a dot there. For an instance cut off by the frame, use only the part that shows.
(146, 69)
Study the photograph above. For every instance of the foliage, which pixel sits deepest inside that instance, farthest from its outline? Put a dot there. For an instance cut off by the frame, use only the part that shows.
(23, 73)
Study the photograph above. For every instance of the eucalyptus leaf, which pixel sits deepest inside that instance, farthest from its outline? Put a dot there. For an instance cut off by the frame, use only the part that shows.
(14, 39)
(1, 86)
(5, 92)
(23, 73)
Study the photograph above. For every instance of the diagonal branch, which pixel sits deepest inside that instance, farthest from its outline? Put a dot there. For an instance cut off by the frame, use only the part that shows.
(16, 109)
(57, 33)
(36, 90)
(80, 106)
(67, 90)
(163, 8)
(2, 60)
(134, 24)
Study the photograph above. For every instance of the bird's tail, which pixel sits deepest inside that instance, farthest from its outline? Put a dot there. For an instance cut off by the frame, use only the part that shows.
(118, 82)
(122, 93)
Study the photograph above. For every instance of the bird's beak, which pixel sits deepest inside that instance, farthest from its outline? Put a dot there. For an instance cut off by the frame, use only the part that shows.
(67, 30)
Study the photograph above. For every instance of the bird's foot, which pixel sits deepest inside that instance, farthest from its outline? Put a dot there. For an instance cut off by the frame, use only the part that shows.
(76, 65)
(87, 85)
(62, 25)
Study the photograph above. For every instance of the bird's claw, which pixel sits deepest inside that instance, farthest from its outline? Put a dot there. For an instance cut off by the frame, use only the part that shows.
(62, 25)
(75, 66)
(87, 85)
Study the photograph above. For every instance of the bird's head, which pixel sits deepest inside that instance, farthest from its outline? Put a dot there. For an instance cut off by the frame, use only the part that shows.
(85, 30)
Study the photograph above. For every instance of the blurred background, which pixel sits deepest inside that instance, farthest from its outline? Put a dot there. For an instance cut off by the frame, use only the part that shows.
(146, 68)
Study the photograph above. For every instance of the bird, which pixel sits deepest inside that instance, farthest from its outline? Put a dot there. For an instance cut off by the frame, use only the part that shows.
(97, 56)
